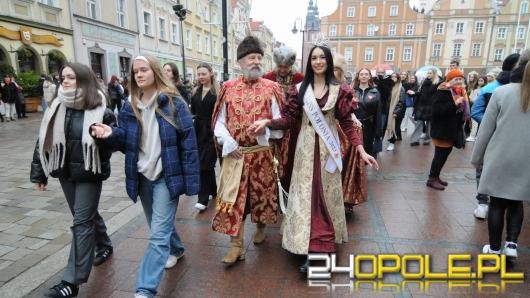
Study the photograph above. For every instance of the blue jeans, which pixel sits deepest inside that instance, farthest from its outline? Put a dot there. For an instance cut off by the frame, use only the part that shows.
(159, 211)
(43, 104)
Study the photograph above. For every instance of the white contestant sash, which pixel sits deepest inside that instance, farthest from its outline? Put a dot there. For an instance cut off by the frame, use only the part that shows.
(313, 112)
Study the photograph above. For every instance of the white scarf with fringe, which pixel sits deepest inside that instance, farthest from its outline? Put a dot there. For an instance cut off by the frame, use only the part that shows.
(52, 139)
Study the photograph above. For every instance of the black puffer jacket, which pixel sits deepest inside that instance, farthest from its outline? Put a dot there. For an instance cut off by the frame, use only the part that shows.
(74, 165)
(423, 101)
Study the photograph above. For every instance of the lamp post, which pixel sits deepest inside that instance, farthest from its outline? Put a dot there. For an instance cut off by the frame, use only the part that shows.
(295, 30)
(181, 12)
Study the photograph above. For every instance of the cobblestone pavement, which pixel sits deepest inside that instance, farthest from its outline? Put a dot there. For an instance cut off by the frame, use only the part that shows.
(402, 216)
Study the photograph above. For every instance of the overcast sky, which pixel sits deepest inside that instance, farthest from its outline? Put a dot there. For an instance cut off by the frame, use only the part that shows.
(279, 16)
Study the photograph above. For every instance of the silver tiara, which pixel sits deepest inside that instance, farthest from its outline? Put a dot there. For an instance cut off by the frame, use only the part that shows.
(321, 41)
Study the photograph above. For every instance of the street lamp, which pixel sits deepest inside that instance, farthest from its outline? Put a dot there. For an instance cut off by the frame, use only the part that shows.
(181, 12)
(295, 30)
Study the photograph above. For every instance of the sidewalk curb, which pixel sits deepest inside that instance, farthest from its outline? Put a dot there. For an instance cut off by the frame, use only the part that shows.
(32, 278)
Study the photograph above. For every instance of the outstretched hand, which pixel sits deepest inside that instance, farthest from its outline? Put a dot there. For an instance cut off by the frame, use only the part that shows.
(100, 131)
(370, 160)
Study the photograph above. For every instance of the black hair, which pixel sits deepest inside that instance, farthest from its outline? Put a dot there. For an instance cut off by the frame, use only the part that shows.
(310, 75)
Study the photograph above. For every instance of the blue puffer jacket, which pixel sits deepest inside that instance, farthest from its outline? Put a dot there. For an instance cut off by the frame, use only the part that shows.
(180, 157)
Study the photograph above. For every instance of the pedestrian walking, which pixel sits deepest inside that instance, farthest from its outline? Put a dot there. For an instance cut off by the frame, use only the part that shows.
(161, 163)
(423, 109)
(171, 72)
(450, 109)
(502, 150)
(396, 110)
(116, 92)
(202, 106)
(411, 87)
(9, 97)
(315, 219)
(65, 150)
(369, 111)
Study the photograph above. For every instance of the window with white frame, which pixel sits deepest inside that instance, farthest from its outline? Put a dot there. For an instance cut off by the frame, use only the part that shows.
(189, 41)
(390, 54)
(349, 30)
(120, 12)
(521, 30)
(476, 50)
(350, 12)
(48, 2)
(333, 30)
(439, 28)
(437, 50)
(214, 18)
(175, 33)
(394, 10)
(91, 9)
(199, 42)
(372, 11)
(198, 7)
(499, 54)
(524, 7)
(147, 23)
(457, 50)
(207, 14)
(407, 54)
(369, 54)
(410, 29)
(479, 27)
(370, 30)
(501, 32)
(459, 28)
(348, 54)
(162, 28)
(391, 29)
(215, 51)
(207, 45)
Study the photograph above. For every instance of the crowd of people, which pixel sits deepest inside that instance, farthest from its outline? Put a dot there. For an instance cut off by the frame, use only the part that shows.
(288, 141)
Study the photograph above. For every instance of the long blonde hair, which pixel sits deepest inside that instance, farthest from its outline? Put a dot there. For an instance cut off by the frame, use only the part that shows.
(215, 84)
(162, 84)
(525, 89)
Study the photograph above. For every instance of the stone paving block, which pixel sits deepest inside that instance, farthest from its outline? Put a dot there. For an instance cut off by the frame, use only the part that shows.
(17, 254)
(8, 273)
(53, 214)
(8, 239)
(3, 201)
(28, 220)
(39, 244)
(30, 260)
(63, 239)
(42, 222)
(33, 204)
(27, 242)
(51, 234)
(5, 249)
(17, 229)
(40, 213)
(5, 226)
(50, 249)
(10, 218)
(5, 264)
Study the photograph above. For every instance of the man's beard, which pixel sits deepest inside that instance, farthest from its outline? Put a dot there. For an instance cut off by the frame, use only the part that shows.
(253, 72)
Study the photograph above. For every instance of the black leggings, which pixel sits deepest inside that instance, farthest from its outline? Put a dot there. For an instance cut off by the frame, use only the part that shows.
(514, 220)
(440, 157)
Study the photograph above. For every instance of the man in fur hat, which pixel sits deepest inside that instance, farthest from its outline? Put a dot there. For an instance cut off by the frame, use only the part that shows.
(247, 184)
(286, 76)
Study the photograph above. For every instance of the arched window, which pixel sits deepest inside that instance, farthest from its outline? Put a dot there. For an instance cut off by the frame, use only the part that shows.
(27, 60)
(56, 61)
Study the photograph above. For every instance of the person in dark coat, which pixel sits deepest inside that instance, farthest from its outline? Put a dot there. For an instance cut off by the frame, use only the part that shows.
(9, 97)
(423, 108)
(66, 151)
(450, 109)
(116, 93)
(369, 112)
(171, 72)
(161, 163)
(202, 106)
(384, 85)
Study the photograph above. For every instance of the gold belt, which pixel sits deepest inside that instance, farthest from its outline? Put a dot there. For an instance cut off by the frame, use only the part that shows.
(254, 149)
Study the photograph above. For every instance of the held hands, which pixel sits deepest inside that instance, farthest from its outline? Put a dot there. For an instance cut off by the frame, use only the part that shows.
(41, 186)
(258, 127)
(100, 131)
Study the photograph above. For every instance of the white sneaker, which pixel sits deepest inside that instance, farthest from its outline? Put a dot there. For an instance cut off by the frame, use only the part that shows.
(423, 135)
(200, 206)
(140, 295)
(390, 147)
(481, 212)
(487, 250)
(171, 261)
(404, 129)
(510, 249)
(470, 139)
